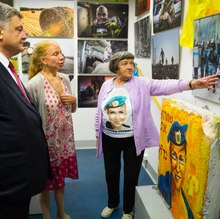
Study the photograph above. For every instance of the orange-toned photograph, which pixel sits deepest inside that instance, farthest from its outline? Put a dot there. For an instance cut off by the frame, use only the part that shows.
(56, 22)
(142, 6)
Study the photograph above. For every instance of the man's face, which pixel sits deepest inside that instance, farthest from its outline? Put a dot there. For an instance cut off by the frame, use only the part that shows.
(117, 116)
(102, 15)
(13, 37)
(178, 159)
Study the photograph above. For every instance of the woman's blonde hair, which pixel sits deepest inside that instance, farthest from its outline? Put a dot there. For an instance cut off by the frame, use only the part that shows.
(40, 51)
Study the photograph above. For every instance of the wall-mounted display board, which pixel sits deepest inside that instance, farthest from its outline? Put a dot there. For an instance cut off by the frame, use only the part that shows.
(166, 14)
(206, 54)
(102, 20)
(189, 160)
(165, 52)
(142, 38)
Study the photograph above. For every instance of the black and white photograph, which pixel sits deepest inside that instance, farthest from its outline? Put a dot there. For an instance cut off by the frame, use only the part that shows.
(165, 52)
(206, 53)
(102, 20)
(166, 14)
(94, 55)
(142, 38)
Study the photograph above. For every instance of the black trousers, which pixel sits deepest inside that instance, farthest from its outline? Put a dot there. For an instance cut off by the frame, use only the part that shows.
(14, 209)
(112, 150)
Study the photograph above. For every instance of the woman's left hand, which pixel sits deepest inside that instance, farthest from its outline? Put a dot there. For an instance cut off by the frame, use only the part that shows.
(205, 82)
(68, 99)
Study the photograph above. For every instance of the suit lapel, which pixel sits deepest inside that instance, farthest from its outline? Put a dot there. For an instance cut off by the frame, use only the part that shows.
(12, 84)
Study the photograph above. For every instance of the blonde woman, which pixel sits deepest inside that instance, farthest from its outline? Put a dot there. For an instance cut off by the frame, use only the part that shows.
(51, 92)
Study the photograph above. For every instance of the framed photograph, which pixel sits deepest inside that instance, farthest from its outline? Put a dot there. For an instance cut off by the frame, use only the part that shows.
(142, 6)
(165, 61)
(166, 14)
(67, 49)
(142, 38)
(55, 20)
(206, 53)
(102, 20)
(94, 55)
(88, 90)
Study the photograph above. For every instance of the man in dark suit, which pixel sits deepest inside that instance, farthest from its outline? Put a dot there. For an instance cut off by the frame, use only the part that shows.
(24, 163)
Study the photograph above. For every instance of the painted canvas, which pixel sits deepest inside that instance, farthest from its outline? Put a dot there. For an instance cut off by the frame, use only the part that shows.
(102, 20)
(142, 38)
(165, 52)
(206, 53)
(189, 160)
(166, 14)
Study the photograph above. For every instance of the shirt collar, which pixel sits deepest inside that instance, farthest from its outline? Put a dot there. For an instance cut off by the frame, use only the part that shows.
(4, 60)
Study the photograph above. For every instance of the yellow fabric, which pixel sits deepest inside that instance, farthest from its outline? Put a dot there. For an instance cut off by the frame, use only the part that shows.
(196, 9)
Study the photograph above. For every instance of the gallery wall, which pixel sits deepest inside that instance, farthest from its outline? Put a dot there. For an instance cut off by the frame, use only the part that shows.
(84, 117)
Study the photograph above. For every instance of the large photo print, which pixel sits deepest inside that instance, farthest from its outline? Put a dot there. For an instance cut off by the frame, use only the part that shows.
(166, 14)
(88, 90)
(206, 54)
(94, 55)
(102, 20)
(55, 20)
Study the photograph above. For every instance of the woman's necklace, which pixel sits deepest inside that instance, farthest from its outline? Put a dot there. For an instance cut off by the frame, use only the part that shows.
(55, 82)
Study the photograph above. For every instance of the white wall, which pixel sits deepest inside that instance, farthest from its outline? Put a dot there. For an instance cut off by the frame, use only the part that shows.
(84, 117)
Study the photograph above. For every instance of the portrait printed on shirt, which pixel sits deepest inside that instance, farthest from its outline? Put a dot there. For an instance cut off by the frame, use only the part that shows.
(117, 116)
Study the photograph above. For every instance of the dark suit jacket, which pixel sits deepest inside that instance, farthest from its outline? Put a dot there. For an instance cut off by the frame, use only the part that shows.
(24, 160)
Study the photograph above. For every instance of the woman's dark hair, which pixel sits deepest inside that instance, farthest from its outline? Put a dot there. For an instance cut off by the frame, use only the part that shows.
(117, 57)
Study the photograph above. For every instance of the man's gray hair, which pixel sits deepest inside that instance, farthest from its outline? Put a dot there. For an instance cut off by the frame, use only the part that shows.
(117, 57)
(6, 14)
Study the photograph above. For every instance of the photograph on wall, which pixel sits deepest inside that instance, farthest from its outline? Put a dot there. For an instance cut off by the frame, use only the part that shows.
(141, 6)
(206, 53)
(102, 20)
(165, 52)
(166, 14)
(67, 48)
(142, 38)
(94, 55)
(54, 20)
(188, 170)
(88, 90)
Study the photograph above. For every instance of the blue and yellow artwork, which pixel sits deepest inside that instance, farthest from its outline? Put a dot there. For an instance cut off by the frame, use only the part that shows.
(189, 160)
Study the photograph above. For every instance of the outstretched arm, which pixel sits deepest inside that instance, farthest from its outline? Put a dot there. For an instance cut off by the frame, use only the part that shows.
(205, 82)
